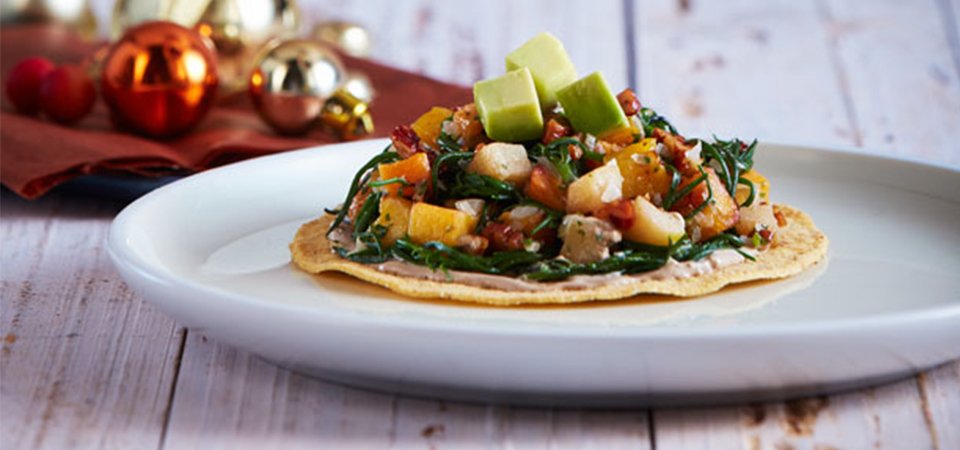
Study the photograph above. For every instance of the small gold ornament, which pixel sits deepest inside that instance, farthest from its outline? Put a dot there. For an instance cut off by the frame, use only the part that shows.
(75, 13)
(353, 39)
(238, 30)
(347, 115)
(129, 13)
(290, 82)
(359, 86)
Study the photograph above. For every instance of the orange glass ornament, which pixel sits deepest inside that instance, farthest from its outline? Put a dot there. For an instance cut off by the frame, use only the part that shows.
(159, 79)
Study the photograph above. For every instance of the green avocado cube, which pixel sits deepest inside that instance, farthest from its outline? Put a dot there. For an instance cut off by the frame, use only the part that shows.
(549, 65)
(591, 107)
(508, 107)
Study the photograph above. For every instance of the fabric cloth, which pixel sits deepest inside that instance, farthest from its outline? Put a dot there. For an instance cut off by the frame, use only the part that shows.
(37, 154)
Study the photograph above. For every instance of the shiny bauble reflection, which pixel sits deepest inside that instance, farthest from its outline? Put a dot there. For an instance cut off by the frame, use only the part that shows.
(290, 82)
(159, 79)
(353, 39)
(240, 28)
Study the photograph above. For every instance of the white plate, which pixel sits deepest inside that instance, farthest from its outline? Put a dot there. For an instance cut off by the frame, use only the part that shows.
(211, 250)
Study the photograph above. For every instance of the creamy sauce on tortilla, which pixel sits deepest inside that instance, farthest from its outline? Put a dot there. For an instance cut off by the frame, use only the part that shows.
(671, 270)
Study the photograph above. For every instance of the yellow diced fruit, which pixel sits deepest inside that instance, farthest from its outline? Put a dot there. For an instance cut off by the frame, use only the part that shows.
(719, 215)
(642, 171)
(413, 170)
(654, 226)
(760, 184)
(428, 125)
(591, 191)
(503, 161)
(436, 223)
(394, 215)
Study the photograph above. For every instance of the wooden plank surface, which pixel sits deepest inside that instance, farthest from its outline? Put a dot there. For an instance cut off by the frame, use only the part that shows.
(804, 72)
(460, 42)
(86, 364)
(464, 42)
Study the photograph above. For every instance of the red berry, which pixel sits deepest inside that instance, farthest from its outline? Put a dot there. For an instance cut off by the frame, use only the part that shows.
(67, 94)
(23, 83)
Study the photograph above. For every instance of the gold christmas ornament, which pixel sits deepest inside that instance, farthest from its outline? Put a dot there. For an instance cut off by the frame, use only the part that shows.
(347, 115)
(353, 39)
(238, 30)
(359, 86)
(290, 82)
(75, 13)
(128, 13)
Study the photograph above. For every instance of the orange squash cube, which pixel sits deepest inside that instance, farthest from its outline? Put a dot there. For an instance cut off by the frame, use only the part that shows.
(413, 170)
(436, 223)
(428, 125)
(641, 168)
(718, 215)
(395, 216)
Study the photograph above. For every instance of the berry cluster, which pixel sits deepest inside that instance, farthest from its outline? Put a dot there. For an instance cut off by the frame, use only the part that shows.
(65, 94)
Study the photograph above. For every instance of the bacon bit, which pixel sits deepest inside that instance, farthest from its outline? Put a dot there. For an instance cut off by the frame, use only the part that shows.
(766, 235)
(503, 237)
(620, 213)
(358, 202)
(575, 152)
(546, 187)
(467, 121)
(677, 147)
(629, 102)
(473, 244)
(781, 219)
(405, 140)
(554, 130)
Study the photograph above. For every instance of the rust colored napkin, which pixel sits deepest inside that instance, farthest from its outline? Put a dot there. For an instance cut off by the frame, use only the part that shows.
(36, 154)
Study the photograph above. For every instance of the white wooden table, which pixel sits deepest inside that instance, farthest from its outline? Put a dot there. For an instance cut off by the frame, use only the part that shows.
(87, 364)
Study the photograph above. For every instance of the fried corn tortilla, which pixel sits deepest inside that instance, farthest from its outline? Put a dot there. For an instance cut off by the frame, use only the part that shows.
(797, 246)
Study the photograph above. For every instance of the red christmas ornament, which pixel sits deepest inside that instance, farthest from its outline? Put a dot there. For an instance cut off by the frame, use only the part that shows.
(23, 84)
(67, 94)
(159, 79)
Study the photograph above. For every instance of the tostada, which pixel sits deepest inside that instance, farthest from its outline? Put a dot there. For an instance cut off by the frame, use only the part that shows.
(551, 188)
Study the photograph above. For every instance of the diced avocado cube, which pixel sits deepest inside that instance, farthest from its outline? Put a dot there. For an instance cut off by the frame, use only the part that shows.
(508, 107)
(549, 65)
(591, 107)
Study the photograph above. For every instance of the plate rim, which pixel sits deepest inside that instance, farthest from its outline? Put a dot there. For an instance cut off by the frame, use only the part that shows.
(125, 259)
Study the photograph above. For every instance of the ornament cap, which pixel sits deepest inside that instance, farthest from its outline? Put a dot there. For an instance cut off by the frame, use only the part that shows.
(347, 115)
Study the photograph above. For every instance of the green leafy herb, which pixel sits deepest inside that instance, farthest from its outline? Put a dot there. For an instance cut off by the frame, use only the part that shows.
(686, 250)
(384, 157)
(706, 201)
(466, 185)
(397, 180)
(447, 158)
(753, 191)
(673, 195)
(558, 154)
(627, 262)
(446, 142)
(438, 256)
(651, 120)
(730, 158)
(367, 214)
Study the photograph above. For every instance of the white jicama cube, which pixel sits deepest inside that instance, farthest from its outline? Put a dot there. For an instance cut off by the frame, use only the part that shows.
(758, 216)
(599, 186)
(586, 239)
(654, 226)
(503, 161)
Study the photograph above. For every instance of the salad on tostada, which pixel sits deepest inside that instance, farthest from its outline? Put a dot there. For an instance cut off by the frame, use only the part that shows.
(550, 188)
